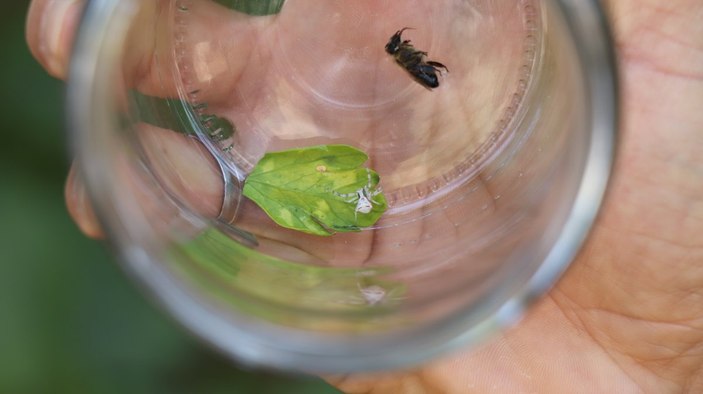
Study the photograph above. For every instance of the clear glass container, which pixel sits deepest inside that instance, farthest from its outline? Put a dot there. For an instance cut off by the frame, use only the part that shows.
(492, 179)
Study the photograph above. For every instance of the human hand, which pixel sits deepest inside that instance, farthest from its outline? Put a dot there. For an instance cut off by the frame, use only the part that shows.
(627, 315)
(296, 97)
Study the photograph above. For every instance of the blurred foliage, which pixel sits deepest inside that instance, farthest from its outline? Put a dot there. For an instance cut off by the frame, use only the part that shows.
(216, 263)
(70, 321)
(173, 114)
(254, 7)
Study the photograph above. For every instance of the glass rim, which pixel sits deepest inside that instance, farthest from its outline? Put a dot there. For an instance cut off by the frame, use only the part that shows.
(253, 342)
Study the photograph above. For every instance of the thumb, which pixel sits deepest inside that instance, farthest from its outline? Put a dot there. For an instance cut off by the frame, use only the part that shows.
(51, 26)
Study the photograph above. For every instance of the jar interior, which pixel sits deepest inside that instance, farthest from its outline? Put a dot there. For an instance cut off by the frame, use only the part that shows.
(479, 173)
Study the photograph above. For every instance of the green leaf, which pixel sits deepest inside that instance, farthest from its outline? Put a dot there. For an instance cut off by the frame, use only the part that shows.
(314, 189)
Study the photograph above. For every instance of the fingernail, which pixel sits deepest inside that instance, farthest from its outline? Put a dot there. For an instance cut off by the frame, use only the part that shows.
(57, 15)
(79, 206)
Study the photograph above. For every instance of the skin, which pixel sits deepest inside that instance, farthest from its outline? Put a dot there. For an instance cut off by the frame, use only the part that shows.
(628, 314)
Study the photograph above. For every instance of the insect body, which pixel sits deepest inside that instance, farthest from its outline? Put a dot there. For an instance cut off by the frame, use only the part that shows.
(362, 197)
(414, 61)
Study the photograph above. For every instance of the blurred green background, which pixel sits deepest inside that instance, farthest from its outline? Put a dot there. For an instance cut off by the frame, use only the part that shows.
(70, 321)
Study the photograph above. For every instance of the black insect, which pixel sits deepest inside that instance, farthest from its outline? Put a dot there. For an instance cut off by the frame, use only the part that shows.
(413, 61)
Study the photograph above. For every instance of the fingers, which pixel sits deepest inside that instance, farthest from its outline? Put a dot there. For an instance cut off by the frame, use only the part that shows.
(79, 207)
(183, 168)
(51, 26)
(212, 44)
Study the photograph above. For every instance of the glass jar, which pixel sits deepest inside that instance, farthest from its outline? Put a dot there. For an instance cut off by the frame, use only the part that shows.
(490, 124)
